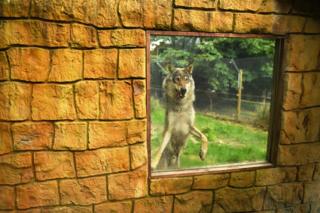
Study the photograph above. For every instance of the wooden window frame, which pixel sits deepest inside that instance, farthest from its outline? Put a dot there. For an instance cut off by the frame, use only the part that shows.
(275, 112)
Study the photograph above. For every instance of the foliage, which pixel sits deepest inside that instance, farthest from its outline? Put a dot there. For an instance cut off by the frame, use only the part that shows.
(211, 58)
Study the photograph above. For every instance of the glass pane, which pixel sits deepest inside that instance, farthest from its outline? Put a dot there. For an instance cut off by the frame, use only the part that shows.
(210, 101)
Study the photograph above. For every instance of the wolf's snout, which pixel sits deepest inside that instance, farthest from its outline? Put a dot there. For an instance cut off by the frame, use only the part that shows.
(183, 91)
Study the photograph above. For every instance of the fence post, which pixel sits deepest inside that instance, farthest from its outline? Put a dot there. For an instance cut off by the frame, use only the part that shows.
(239, 94)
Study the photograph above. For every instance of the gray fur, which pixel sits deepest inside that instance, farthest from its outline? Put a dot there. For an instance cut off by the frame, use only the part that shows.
(179, 120)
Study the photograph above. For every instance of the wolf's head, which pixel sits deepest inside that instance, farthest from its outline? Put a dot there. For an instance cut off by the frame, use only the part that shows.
(180, 82)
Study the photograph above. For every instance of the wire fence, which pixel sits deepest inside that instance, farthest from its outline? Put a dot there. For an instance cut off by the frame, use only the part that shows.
(254, 109)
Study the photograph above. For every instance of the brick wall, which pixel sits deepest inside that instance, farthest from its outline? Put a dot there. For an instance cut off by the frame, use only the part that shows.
(73, 115)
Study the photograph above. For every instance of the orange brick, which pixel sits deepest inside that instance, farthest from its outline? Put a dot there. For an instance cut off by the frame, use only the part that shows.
(15, 101)
(29, 64)
(7, 197)
(109, 207)
(55, 9)
(139, 97)
(66, 65)
(37, 194)
(4, 67)
(5, 138)
(70, 136)
(99, 133)
(128, 185)
(51, 165)
(83, 36)
(102, 161)
(132, 63)
(153, 204)
(138, 155)
(14, 8)
(122, 37)
(84, 191)
(87, 99)
(15, 168)
(116, 100)
(170, 186)
(136, 131)
(53, 102)
(32, 136)
(101, 63)
(67, 209)
(35, 32)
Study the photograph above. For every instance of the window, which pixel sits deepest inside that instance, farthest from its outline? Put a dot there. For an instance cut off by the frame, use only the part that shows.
(211, 101)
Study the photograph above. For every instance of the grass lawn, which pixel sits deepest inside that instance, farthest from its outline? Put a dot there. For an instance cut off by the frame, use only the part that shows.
(229, 142)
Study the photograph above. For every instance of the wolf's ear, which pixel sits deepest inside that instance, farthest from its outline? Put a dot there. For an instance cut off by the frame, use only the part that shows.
(189, 69)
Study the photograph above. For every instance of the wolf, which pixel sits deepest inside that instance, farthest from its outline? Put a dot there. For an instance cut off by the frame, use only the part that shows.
(179, 90)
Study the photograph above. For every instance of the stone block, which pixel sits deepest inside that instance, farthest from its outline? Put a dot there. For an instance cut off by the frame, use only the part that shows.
(70, 136)
(298, 154)
(170, 185)
(37, 194)
(242, 179)
(83, 36)
(14, 8)
(4, 66)
(194, 20)
(300, 126)
(132, 63)
(54, 10)
(66, 65)
(99, 134)
(205, 4)
(195, 201)
(244, 5)
(312, 192)
(32, 135)
(122, 38)
(53, 102)
(102, 161)
(138, 155)
(100, 63)
(67, 209)
(35, 32)
(15, 168)
(99, 13)
(275, 6)
(5, 138)
(316, 175)
(52, 165)
(146, 13)
(305, 172)
(110, 207)
(240, 200)
(29, 64)
(87, 99)
(153, 204)
(284, 195)
(271, 176)
(312, 25)
(128, 185)
(139, 97)
(84, 191)
(116, 100)
(15, 101)
(213, 181)
(301, 90)
(301, 53)
(137, 131)
(7, 197)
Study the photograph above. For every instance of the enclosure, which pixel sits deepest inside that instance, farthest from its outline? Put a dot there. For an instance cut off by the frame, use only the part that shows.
(73, 93)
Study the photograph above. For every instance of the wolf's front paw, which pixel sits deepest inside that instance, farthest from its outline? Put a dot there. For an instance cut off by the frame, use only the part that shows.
(204, 148)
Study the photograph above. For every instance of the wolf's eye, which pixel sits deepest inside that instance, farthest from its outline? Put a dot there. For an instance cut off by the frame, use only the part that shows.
(177, 78)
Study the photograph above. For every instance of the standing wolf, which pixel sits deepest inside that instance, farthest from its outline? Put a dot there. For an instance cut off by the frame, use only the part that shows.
(179, 120)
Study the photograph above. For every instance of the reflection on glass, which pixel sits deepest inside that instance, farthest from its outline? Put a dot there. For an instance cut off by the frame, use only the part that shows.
(229, 81)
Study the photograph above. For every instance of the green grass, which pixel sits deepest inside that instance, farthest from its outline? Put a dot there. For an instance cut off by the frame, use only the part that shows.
(229, 142)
